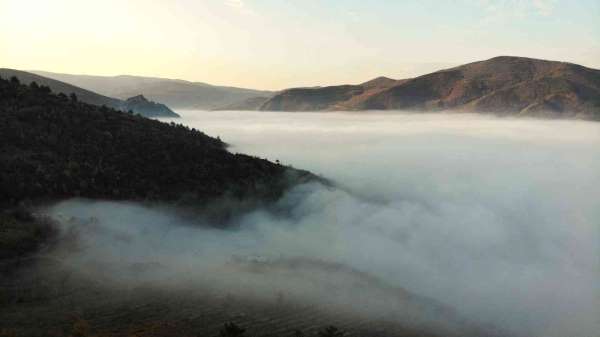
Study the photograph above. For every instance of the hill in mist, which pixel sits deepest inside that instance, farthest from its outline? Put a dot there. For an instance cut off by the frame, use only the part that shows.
(55, 147)
(143, 107)
(178, 94)
(505, 85)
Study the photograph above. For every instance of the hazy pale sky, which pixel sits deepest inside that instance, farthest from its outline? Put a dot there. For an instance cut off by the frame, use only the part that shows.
(273, 44)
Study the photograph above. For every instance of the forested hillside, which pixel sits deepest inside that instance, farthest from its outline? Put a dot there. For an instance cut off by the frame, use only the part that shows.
(54, 146)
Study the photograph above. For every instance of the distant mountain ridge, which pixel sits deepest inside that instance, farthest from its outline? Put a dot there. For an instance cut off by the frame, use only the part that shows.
(143, 107)
(178, 94)
(503, 85)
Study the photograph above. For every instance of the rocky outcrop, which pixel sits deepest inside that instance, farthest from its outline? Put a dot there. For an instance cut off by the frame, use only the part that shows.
(144, 107)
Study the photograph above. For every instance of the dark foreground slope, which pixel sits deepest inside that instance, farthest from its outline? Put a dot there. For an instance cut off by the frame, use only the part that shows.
(145, 108)
(53, 300)
(54, 147)
(505, 85)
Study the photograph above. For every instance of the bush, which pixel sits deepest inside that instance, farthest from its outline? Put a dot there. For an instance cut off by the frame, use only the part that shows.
(231, 330)
(330, 331)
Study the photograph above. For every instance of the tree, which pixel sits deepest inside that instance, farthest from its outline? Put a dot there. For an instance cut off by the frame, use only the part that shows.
(330, 331)
(73, 97)
(81, 328)
(231, 330)
(45, 89)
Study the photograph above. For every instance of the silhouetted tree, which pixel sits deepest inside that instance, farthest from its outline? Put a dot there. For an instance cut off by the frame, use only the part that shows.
(45, 89)
(73, 97)
(81, 328)
(7, 333)
(231, 330)
(330, 331)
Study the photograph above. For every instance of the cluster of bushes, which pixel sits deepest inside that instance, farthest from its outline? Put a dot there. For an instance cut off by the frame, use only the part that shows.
(54, 146)
(81, 328)
(233, 330)
(21, 233)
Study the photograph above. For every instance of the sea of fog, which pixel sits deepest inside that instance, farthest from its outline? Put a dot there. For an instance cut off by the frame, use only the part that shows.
(497, 218)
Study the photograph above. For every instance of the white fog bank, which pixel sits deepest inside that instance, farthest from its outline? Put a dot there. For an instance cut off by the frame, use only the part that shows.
(497, 218)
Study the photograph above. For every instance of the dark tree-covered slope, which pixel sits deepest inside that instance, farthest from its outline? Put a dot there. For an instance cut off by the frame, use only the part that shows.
(53, 146)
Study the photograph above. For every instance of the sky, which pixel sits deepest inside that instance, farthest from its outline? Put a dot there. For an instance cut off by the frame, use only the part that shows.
(276, 44)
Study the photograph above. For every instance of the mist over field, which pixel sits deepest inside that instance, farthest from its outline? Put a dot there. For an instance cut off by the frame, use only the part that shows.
(496, 218)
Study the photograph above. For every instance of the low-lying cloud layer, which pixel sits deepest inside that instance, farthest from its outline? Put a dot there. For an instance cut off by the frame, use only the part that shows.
(496, 218)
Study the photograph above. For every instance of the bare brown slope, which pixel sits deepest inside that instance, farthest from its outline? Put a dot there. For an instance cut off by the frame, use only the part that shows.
(340, 97)
(312, 99)
(509, 85)
(502, 85)
(371, 88)
(249, 104)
